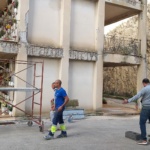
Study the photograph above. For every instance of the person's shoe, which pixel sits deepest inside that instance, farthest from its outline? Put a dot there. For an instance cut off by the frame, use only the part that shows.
(62, 135)
(48, 137)
(142, 142)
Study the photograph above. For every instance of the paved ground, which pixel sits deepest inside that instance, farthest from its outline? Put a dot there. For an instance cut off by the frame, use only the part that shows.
(115, 107)
(92, 133)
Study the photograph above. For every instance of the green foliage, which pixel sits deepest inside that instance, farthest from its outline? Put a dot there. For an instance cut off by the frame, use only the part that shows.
(2, 33)
(10, 108)
(14, 21)
(8, 20)
(104, 101)
(16, 4)
(1, 13)
(9, 1)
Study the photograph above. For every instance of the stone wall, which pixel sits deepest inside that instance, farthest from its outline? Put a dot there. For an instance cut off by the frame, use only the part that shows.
(122, 80)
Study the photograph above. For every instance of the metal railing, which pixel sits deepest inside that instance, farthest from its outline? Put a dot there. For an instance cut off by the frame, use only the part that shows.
(133, 2)
(122, 45)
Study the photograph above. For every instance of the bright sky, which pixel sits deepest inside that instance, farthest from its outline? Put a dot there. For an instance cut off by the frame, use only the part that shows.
(112, 26)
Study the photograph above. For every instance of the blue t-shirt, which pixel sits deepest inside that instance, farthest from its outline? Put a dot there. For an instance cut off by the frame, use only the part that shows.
(60, 95)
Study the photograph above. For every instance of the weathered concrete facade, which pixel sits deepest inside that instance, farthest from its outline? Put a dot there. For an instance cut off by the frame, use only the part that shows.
(69, 36)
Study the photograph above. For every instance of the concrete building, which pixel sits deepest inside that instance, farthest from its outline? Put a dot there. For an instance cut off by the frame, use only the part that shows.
(69, 36)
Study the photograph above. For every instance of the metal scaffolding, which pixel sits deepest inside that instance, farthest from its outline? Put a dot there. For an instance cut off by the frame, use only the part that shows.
(30, 87)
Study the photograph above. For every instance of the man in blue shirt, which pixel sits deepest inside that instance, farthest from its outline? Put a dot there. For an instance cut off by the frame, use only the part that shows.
(61, 99)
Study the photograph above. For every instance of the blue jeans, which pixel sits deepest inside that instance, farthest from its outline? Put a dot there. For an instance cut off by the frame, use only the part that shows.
(144, 116)
(58, 117)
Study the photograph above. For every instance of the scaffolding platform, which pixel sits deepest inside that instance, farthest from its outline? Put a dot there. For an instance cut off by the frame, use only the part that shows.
(18, 89)
(6, 76)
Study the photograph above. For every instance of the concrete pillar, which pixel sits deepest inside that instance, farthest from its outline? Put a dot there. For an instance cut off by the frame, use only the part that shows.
(142, 28)
(99, 43)
(65, 42)
(19, 96)
(22, 14)
(22, 55)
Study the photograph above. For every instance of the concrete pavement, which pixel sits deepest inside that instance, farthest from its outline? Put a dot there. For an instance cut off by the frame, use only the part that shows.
(92, 133)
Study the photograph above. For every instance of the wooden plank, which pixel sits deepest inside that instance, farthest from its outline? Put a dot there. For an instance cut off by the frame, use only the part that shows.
(18, 89)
